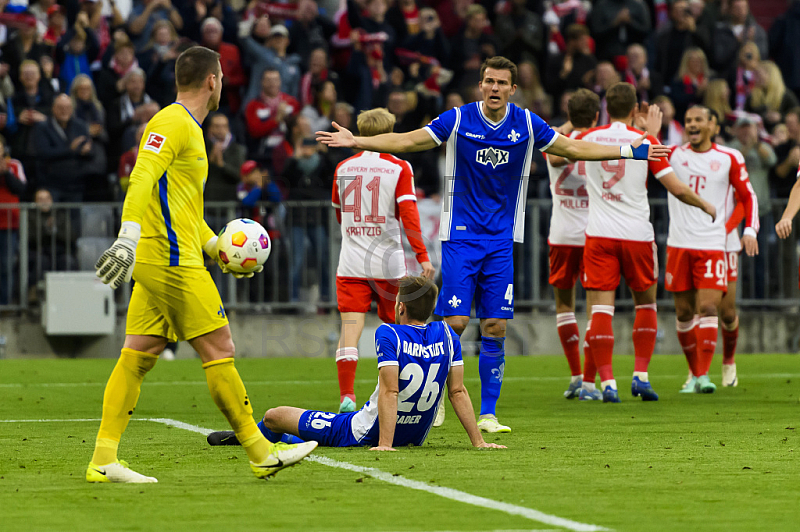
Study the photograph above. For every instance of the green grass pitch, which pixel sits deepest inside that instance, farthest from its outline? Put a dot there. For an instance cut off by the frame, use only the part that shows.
(728, 461)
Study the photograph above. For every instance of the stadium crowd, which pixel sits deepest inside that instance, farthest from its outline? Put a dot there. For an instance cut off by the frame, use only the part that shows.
(78, 82)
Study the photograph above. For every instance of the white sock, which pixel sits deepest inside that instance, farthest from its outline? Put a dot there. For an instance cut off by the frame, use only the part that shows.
(575, 378)
(588, 386)
(642, 376)
(612, 383)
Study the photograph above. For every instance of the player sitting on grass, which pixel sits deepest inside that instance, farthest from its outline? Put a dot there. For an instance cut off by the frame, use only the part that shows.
(414, 362)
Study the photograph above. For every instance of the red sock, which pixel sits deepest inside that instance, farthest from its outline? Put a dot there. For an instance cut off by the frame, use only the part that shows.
(601, 340)
(645, 327)
(729, 339)
(589, 368)
(706, 342)
(570, 340)
(688, 338)
(346, 362)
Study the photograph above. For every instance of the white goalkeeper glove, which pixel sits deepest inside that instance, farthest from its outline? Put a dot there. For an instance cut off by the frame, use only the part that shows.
(210, 248)
(115, 266)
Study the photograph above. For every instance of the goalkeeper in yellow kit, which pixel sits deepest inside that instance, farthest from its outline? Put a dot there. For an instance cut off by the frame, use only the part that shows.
(161, 246)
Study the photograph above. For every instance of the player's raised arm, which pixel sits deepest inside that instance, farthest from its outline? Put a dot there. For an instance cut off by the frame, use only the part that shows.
(580, 150)
(459, 398)
(387, 407)
(417, 140)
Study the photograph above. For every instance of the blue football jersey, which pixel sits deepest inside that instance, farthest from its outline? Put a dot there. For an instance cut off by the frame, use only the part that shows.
(424, 355)
(487, 169)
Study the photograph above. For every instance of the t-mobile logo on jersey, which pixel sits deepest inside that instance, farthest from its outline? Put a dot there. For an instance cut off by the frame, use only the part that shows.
(491, 156)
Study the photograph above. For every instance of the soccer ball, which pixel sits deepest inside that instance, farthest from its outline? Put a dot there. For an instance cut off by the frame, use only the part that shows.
(243, 245)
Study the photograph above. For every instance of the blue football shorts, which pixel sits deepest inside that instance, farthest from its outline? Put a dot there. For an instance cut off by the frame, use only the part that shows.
(479, 270)
(327, 428)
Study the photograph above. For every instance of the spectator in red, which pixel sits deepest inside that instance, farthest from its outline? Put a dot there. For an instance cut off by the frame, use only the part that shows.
(404, 18)
(453, 14)
(56, 25)
(265, 116)
(234, 78)
(12, 186)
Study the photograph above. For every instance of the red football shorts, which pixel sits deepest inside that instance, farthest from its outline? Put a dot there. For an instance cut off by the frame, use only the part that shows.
(356, 295)
(605, 259)
(733, 266)
(689, 269)
(566, 265)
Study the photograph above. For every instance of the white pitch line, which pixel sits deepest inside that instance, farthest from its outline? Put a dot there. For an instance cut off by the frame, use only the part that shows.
(461, 496)
(447, 493)
(321, 382)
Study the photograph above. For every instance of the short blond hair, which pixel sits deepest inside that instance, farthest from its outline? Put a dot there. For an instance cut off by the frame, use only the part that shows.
(375, 121)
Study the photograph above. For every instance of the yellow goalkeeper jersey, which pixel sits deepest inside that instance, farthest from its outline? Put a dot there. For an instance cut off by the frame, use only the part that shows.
(165, 194)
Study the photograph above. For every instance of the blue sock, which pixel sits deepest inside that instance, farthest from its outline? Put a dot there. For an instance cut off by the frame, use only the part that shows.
(491, 365)
(275, 437)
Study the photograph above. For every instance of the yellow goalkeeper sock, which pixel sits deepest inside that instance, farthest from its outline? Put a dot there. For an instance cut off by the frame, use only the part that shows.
(119, 400)
(228, 392)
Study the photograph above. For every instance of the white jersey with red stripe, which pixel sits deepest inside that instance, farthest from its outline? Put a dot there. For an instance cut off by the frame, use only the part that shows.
(711, 175)
(618, 206)
(367, 189)
(570, 202)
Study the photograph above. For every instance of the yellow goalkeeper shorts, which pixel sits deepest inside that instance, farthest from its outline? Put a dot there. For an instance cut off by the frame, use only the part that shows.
(176, 302)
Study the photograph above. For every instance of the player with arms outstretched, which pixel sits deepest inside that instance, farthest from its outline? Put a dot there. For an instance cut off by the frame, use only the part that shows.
(174, 297)
(372, 194)
(568, 235)
(489, 148)
(696, 258)
(620, 242)
(415, 361)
